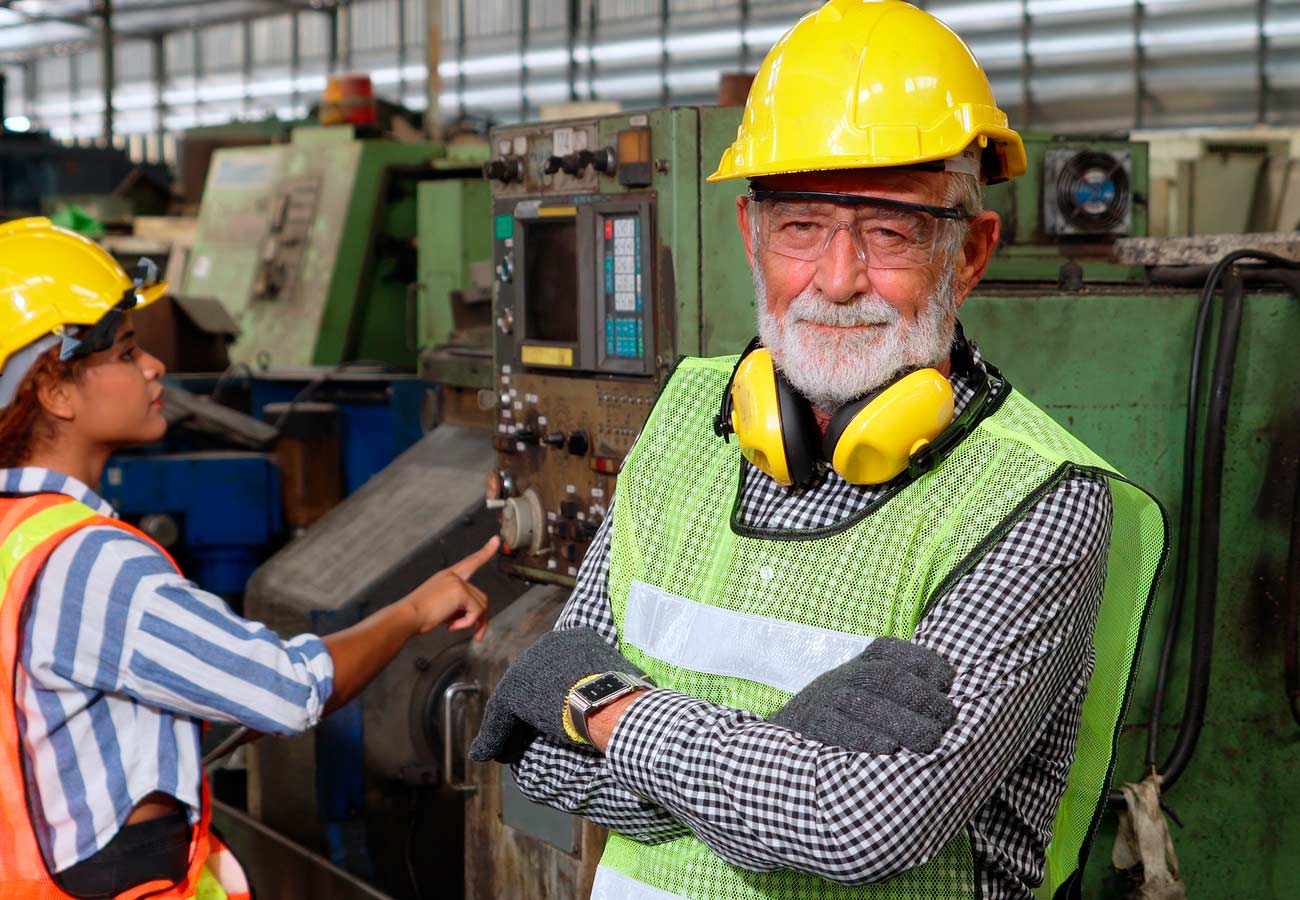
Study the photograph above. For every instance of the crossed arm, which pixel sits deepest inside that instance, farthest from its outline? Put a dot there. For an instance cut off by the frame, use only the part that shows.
(1018, 631)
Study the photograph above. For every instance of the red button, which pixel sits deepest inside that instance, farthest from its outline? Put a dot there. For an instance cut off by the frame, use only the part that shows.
(609, 229)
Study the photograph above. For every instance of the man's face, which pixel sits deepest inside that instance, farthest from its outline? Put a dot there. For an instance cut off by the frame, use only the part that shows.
(839, 327)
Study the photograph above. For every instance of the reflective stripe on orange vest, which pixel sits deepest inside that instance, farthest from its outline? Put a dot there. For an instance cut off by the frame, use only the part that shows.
(30, 528)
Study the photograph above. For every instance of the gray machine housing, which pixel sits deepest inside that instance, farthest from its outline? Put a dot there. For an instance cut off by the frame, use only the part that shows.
(419, 515)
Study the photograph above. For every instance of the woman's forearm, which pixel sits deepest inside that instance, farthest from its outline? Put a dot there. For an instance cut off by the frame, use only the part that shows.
(360, 652)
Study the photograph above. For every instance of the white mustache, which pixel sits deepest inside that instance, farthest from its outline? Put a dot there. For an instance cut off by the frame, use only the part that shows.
(813, 307)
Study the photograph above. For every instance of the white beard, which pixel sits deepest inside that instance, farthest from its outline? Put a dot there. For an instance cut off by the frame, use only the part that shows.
(831, 369)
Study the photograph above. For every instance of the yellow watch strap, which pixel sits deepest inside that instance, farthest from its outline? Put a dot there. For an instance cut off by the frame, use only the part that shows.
(567, 717)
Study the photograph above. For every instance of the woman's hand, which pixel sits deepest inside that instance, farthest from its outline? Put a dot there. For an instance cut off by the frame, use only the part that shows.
(449, 597)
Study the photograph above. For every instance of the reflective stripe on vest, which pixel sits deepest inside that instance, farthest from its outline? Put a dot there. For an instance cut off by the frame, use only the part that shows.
(612, 885)
(684, 585)
(716, 641)
(30, 529)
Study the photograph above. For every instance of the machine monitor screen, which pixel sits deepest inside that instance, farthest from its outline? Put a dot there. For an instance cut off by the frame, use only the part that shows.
(551, 281)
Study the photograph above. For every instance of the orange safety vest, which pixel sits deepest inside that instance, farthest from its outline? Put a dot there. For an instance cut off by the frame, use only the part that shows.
(30, 529)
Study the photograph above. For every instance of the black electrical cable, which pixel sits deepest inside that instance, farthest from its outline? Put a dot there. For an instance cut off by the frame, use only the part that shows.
(1206, 597)
(1291, 610)
(1209, 521)
(1185, 513)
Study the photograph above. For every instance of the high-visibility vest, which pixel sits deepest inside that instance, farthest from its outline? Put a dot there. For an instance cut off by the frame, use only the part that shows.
(735, 615)
(30, 528)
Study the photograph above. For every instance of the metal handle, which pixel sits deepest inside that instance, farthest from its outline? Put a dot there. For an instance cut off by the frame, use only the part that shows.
(448, 731)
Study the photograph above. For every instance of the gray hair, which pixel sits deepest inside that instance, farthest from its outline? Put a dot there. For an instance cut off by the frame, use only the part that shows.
(963, 192)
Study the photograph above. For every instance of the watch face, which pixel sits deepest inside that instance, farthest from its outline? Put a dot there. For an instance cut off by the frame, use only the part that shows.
(601, 687)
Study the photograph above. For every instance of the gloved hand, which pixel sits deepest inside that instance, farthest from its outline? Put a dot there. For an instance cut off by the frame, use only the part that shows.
(892, 696)
(534, 692)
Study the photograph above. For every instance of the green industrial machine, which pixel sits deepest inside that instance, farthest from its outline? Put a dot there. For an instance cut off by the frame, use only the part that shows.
(1105, 347)
(1101, 340)
(1080, 195)
(311, 245)
(454, 290)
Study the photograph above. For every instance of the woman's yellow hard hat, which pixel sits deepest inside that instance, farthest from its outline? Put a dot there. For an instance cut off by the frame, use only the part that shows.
(53, 280)
(865, 84)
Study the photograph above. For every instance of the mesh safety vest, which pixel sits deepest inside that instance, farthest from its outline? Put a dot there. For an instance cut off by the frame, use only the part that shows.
(30, 529)
(698, 599)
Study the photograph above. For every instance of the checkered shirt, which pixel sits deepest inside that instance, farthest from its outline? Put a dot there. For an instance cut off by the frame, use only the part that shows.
(1017, 629)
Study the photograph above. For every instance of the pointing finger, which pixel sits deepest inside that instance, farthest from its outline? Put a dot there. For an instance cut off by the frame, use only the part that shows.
(472, 563)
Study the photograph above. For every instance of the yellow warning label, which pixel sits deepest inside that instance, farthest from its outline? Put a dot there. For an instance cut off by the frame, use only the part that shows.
(558, 211)
(546, 356)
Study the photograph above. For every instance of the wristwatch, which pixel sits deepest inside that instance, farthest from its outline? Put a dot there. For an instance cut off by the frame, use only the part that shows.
(594, 694)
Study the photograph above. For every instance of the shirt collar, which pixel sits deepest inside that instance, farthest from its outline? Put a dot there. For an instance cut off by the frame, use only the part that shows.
(29, 480)
(964, 383)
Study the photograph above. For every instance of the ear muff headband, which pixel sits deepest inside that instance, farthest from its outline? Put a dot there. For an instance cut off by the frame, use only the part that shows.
(798, 432)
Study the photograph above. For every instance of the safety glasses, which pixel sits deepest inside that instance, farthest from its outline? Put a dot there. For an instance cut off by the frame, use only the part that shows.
(886, 234)
(83, 340)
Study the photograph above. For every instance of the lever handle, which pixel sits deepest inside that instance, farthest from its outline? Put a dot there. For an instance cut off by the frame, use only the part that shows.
(448, 737)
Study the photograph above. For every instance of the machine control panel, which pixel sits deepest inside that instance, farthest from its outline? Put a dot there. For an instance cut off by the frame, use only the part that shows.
(575, 284)
(584, 330)
(564, 158)
(560, 444)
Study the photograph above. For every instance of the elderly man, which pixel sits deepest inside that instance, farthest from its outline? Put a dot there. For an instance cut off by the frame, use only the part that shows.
(877, 642)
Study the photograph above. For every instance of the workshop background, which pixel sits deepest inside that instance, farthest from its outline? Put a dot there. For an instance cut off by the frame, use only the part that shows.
(395, 231)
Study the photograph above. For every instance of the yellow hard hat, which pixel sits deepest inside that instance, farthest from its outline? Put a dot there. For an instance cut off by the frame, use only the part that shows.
(52, 279)
(870, 83)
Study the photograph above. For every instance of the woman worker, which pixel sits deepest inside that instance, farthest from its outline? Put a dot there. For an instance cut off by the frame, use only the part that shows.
(110, 660)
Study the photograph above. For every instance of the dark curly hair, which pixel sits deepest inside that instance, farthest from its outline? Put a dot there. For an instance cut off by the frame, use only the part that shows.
(23, 423)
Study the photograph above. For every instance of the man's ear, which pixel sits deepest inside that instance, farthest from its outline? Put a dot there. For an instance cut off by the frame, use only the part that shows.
(58, 399)
(982, 234)
(744, 210)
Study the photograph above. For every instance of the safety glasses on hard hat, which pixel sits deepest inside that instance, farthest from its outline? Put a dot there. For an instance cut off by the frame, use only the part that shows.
(83, 340)
(886, 234)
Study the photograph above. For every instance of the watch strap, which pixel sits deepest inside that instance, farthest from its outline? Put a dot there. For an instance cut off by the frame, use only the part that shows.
(569, 727)
(578, 719)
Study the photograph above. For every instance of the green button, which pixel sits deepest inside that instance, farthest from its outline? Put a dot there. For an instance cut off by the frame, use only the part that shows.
(505, 227)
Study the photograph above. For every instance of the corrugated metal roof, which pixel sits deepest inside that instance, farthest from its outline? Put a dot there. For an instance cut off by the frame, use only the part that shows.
(31, 27)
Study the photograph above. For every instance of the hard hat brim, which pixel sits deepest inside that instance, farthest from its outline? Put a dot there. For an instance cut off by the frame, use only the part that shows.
(150, 294)
(1011, 147)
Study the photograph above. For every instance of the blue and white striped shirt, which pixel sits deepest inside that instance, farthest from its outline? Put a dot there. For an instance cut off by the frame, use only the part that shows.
(120, 661)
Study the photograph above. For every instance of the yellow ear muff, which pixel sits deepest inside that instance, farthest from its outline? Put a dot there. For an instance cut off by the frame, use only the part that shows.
(756, 415)
(878, 441)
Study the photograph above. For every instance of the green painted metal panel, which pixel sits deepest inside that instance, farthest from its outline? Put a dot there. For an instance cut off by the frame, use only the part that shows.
(453, 234)
(727, 285)
(1112, 367)
(366, 315)
(352, 248)
(1026, 252)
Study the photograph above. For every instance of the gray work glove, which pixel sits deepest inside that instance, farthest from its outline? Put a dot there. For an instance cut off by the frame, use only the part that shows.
(892, 696)
(534, 692)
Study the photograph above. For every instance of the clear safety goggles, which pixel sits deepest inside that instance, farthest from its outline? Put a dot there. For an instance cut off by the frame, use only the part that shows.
(79, 342)
(886, 234)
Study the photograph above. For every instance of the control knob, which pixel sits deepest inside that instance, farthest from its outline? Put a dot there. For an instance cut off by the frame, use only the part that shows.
(602, 160)
(504, 170)
(579, 443)
(521, 523)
